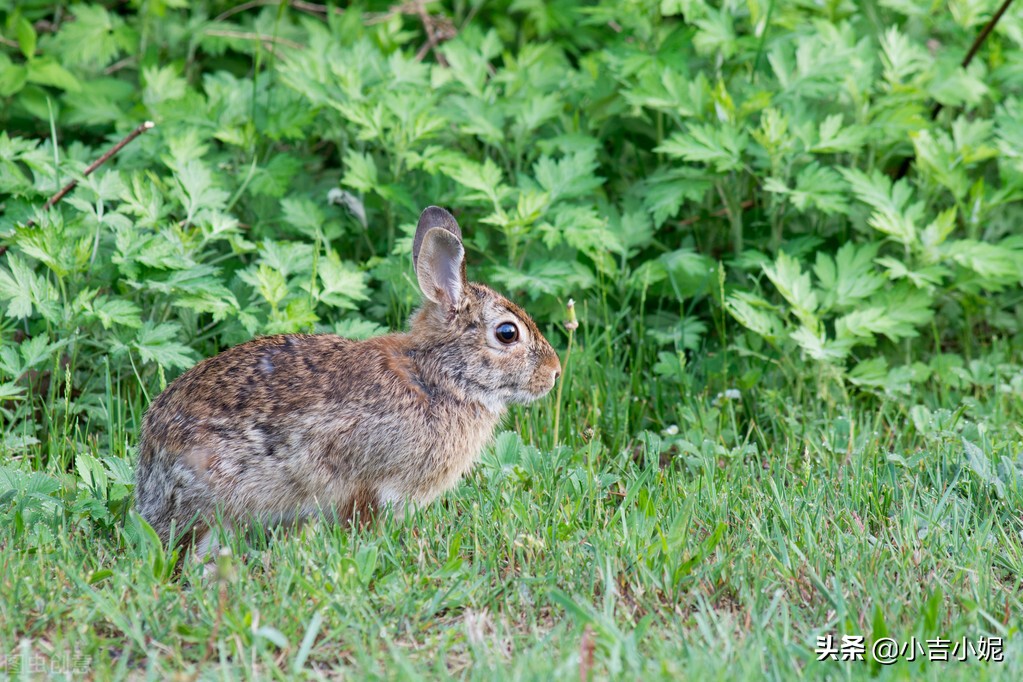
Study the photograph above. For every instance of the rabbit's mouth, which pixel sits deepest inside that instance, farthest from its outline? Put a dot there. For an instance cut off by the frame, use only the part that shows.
(538, 388)
(524, 397)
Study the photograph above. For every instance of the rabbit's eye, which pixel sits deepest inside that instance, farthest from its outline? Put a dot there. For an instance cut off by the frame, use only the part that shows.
(507, 332)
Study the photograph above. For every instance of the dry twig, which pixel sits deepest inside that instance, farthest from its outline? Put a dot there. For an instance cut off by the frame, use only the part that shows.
(586, 649)
(438, 27)
(269, 41)
(309, 7)
(96, 164)
(970, 54)
(720, 213)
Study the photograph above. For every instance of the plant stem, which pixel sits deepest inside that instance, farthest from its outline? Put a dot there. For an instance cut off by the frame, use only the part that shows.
(571, 325)
(561, 385)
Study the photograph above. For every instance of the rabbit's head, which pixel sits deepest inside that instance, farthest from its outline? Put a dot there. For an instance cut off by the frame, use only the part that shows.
(479, 340)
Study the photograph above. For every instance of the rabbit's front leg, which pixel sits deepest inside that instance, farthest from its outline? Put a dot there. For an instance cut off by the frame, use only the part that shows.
(391, 496)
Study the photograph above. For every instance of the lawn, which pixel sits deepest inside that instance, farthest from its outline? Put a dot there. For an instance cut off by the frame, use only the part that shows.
(788, 439)
(723, 546)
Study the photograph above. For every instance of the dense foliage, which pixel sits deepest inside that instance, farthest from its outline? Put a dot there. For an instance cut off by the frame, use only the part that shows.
(813, 203)
(620, 152)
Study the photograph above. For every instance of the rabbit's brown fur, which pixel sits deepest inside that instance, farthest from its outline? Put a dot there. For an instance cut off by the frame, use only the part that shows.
(287, 426)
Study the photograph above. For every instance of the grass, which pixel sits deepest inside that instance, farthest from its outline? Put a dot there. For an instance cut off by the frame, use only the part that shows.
(673, 534)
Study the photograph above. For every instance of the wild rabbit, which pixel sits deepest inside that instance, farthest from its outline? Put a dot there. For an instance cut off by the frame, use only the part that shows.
(284, 427)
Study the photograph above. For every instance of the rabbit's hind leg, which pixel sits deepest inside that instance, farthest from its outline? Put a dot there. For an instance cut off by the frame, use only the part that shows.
(172, 498)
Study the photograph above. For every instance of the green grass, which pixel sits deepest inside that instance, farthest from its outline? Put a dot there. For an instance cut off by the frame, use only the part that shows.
(682, 535)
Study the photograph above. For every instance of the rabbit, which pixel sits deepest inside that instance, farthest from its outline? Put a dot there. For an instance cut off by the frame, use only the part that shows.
(282, 428)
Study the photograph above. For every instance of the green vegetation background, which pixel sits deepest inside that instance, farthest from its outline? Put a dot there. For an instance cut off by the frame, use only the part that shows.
(792, 407)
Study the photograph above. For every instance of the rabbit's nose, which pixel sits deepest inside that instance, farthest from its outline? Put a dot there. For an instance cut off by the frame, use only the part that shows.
(557, 373)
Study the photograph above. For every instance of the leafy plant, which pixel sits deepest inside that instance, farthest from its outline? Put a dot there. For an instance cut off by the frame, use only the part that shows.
(671, 166)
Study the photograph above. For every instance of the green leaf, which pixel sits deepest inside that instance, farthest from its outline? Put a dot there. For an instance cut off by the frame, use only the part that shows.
(665, 190)
(29, 485)
(163, 84)
(356, 328)
(902, 59)
(117, 311)
(870, 372)
(755, 314)
(874, 373)
(476, 117)
(716, 33)
(922, 278)
(877, 190)
(11, 391)
(997, 265)
(25, 291)
(287, 258)
(937, 158)
(718, 146)
(794, 286)
(848, 278)
(304, 215)
(298, 315)
(211, 297)
(688, 270)
(268, 281)
(197, 191)
(26, 36)
(582, 228)
(274, 179)
(834, 138)
(16, 286)
(156, 343)
(818, 347)
(973, 139)
(939, 229)
(95, 38)
(817, 187)
(467, 65)
(46, 71)
(896, 315)
(343, 284)
(960, 87)
(633, 229)
(686, 334)
(983, 468)
(486, 179)
(571, 177)
(12, 79)
(32, 353)
(893, 214)
(669, 89)
(196, 288)
(555, 278)
(119, 470)
(92, 473)
(360, 172)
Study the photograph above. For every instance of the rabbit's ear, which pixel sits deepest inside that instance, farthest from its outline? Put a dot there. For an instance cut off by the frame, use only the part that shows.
(440, 261)
(433, 216)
